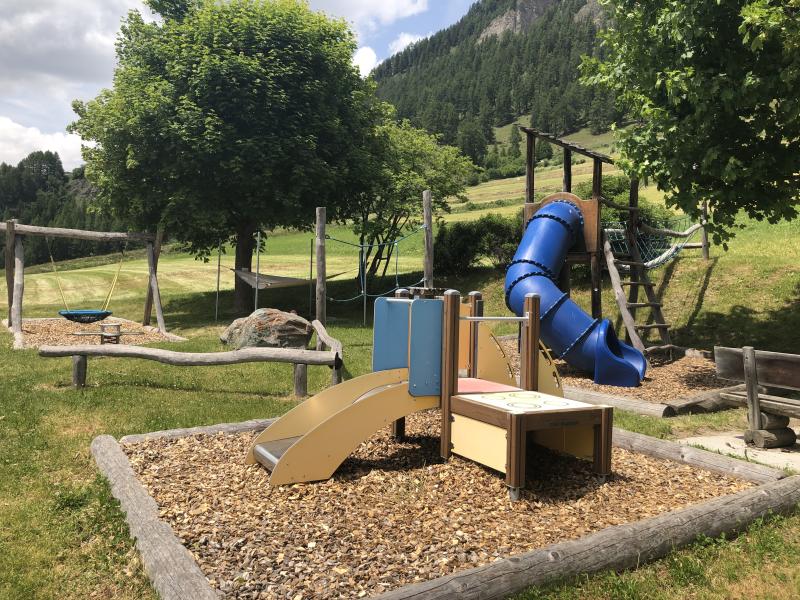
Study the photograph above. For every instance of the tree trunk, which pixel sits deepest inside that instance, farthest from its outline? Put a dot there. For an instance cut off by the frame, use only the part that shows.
(243, 297)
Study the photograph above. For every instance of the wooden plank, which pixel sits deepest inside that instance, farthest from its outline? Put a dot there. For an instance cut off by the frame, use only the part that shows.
(171, 568)
(19, 288)
(322, 292)
(199, 359)
(9, 260)
(530, 165)
(300, 380)
(327, 339)
(651, 409)
(529, 355)
(79, 234)
(774, 369)
(151, 266)
(148, 302)
(79, 371)
(576, 148)
(567, 184)
(427, 212)
(767, 403)
(617, 548)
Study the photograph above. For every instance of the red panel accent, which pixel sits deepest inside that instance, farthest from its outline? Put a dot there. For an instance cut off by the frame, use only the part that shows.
(469, 385)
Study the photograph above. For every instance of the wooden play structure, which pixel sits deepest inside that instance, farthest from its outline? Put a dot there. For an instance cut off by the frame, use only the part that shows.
(417, 362)
(330, 353)
(597, 250)
(15, 234)
(768, 415)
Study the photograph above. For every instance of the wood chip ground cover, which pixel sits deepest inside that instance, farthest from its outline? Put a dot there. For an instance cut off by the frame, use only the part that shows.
(664, 381)
(60, 332)
(394, 513)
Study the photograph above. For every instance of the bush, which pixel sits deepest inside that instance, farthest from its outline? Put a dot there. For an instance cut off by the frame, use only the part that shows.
(617, 189)
(460, 246)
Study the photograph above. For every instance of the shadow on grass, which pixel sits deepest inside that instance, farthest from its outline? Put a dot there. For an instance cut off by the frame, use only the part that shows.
(775, 330)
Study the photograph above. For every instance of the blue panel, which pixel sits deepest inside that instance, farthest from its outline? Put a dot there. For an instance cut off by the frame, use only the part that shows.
(425, 371)
(390, 334)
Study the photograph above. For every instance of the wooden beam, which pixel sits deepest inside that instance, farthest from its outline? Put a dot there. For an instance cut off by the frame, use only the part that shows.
(148, 303)
(79, 234)
(79, 366)
(452, 314)
(530, 159)
(576, 148)
(319, 244)
(427, 210)
(529, 355)
(399, 426)
(151, 266)
(300, 381)
(9, 256)
(597, 286)
(641, 407)
(476, 310)
(775, 369)
(751, 384)
(19, 288)
(567, 187)
(199, 359)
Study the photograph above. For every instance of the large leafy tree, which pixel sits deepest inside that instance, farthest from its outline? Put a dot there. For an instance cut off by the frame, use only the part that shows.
(230, 117)
(713, 90)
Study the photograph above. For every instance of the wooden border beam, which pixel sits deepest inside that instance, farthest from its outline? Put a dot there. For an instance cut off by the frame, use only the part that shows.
(577, 148)
(79, 234)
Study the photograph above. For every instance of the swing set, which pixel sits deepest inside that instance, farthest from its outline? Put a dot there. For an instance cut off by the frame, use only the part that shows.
(16, 233)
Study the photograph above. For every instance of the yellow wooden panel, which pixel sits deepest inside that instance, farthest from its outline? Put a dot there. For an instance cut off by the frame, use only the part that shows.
(463, 338)
(481, 442)
(576, 441)
(304, 417)
(318, 454)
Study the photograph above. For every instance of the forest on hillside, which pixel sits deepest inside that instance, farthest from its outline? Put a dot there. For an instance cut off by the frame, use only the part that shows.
(456, 81)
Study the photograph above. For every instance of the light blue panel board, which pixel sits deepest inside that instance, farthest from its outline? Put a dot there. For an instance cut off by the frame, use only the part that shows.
(390, 334)
(425, 370)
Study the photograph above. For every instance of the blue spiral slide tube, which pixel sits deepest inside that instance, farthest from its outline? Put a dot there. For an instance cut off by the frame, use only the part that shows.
(587, 344)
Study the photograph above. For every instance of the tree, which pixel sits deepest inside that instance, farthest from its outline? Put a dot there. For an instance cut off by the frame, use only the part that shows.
(227, 118)
(544, 150)
(471, 140)
(514, 150)
(713, 89)
(411, 161)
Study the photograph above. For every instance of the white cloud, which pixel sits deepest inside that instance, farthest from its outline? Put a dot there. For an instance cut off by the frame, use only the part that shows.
(17, 141)
(403, 41)
(366, 60)
(368, 15)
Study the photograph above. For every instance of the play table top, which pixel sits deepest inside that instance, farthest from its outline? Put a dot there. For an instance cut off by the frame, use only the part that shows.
(524, 402)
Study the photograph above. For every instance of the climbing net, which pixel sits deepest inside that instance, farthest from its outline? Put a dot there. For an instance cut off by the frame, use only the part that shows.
(363, 257)
(657, 246)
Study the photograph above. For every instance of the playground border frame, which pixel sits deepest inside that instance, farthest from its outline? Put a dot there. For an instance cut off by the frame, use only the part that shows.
(175, 574)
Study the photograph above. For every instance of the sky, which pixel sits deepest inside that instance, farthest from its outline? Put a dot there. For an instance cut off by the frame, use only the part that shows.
(55, 51)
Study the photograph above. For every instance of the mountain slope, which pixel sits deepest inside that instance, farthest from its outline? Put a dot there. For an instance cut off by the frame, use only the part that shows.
(505, 58)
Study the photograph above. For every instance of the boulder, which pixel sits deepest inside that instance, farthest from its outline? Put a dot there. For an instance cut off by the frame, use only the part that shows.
(268, 328)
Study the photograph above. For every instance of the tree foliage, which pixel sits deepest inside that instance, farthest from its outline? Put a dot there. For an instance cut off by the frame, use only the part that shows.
(229, 117)
(410, 161)
(713, 88)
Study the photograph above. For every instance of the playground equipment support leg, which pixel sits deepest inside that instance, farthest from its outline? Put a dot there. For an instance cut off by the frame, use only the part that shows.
(452, 304)
(399, 426)
(427, 209)
(321, 271)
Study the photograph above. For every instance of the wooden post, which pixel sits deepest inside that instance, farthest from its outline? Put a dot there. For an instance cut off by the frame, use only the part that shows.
(427, 209)
(258, 269)
(322, 295)
(151, 265)
(565, 279)
(148, 303)
(79, 365)
(452, 307)
(631, 233)
(300, 380)
(476, 310)
(597, 282)
(751, 383)
(529, 353)
(399, 426)
(529, 166)
(219, 270)
(10, 266)
(706, 246)
(19, 287)
(567, 170)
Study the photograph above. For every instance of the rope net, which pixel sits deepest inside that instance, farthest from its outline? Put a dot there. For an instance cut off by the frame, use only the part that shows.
(655, 248)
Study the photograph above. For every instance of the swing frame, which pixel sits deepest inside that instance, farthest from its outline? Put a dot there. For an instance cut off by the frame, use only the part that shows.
(15, 234)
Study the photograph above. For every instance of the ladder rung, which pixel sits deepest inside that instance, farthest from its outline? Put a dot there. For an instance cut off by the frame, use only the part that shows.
(641, 283)
(630, 263)
(693, 246)
(644, 304)
(654, 326)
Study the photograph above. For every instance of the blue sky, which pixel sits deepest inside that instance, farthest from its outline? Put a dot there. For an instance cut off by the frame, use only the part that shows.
(54, 51)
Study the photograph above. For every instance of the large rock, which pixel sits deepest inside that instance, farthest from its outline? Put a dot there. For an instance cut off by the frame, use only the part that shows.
(268, 328)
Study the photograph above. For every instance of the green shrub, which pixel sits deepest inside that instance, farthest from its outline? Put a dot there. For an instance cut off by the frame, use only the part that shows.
(460, 246)
(617, 189)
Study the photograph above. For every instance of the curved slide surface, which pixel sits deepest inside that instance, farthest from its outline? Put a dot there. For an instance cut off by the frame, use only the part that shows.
(587, 344)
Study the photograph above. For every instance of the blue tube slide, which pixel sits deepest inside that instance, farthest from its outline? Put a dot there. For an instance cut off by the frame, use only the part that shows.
(587, 344)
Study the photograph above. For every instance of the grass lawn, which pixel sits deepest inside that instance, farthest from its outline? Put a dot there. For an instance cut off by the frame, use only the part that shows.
(61, 534)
